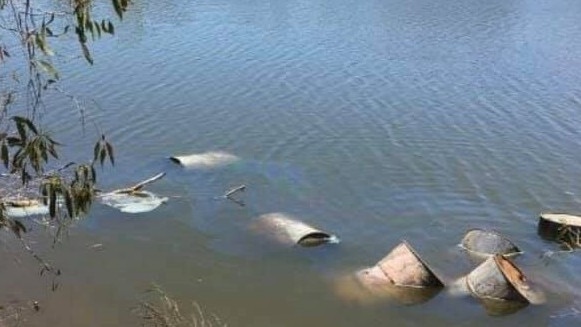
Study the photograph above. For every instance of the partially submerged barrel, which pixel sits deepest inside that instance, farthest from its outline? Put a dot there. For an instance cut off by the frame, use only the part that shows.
(484, 243)
(210, 159)
(404, 267)
(401, 275)
(560, 227)
(288, 230)
(501, 286)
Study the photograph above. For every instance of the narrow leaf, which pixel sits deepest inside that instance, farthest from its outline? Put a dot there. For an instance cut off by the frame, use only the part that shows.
(110, 153)
(69, 203)
(21, 130)
(48, 68)
(96, 151)
(87, 53)
(118, 8)
(52, 203)
(102, 156)
(4, 154)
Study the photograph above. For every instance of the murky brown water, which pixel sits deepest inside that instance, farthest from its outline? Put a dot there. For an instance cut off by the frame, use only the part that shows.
(375, 120)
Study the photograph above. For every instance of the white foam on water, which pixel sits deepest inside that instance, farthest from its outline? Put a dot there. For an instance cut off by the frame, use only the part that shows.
(143, 202)
(206, 160)
(32, 210)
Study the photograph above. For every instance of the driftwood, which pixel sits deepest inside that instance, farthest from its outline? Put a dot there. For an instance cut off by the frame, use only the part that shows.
(139, 186)
(27, 206)
(230, 195)
(134, 199)
(234, 190)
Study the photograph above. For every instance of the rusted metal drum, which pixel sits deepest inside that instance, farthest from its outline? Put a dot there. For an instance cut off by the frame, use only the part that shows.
(404, 267)
(401, 275)
(560, 227)
(501, 286)
(484, 243)
(205, 160)
(288, 230)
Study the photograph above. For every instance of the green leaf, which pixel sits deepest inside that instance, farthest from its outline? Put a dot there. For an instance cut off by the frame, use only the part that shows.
(111, 28)
(21, 130)
(41, 43)
(87, 53)
(48, 68)
(110, 153)
(90, 27)
(102, 156)
(96, 151)
(51, 149)
(14, 141)
(4, 154)
(69, 203)
(81, 34)
(25, 121)
(52, 203)
(97, 28)
(118, 8)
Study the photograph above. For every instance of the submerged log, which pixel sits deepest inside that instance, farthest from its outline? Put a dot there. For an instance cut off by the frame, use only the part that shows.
(560, 227)
(484, 243)
(501, 286)
(287, 230)
(205, 160)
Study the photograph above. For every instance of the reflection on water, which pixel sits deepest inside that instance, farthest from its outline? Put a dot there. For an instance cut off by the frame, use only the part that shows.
(379, 120)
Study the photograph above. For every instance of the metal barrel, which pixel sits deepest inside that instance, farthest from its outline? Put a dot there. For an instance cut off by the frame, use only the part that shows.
(401, 276)
(501, 286)
(484, 243)
(406, 268)
(560, 227)
(205, 160)
(288, 230)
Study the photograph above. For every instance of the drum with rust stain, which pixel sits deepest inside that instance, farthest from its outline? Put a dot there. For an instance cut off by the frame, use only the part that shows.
(502, 287)
(401, 275)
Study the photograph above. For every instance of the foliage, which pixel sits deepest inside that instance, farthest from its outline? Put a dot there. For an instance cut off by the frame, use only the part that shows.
(29, 35)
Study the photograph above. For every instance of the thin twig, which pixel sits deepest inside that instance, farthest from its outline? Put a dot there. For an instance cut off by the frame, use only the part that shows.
(234, 190)
(137, 187)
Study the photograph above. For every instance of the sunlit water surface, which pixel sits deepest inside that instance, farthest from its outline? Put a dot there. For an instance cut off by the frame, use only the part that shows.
(375, 120)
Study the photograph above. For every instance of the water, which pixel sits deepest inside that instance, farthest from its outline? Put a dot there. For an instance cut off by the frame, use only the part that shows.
(376, 120)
